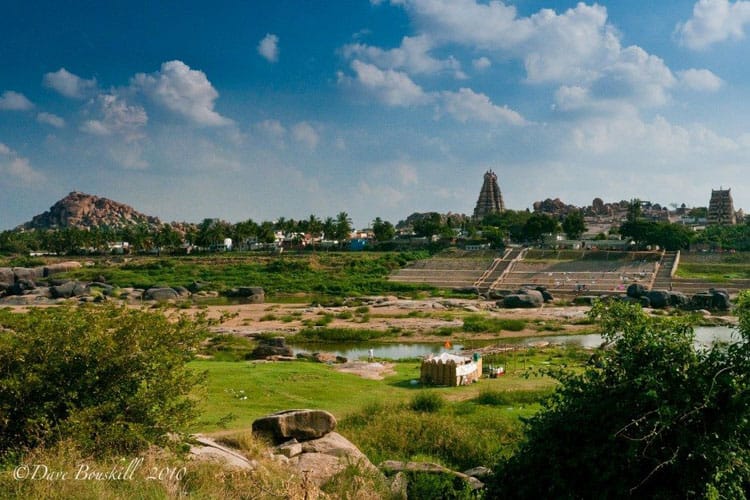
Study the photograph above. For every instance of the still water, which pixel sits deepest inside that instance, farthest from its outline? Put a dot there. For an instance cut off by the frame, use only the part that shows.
(704, 335)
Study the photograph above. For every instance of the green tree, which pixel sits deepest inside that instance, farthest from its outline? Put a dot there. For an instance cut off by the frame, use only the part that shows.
(649, 417)
(428, 225)
(539, 224)
(574, 225)
(343, 228)
(114, 379)
(383, 230)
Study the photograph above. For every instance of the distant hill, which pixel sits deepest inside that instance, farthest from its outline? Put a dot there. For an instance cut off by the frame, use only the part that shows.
(84, 211)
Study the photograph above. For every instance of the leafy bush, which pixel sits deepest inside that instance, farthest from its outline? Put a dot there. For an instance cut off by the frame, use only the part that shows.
(650, 417)
(427, 402)
(478, 323)
(111, 378)
(427, 486)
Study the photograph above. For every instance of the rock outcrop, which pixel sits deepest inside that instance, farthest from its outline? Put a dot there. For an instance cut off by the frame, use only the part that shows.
(302, 425)
(85, 211)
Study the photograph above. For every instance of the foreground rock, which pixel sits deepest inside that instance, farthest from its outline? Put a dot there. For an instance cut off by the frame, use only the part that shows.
(391, 467)
(268, 348)
(302, 425)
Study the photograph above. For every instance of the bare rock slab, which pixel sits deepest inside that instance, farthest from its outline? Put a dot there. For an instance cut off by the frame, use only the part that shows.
(302, 425)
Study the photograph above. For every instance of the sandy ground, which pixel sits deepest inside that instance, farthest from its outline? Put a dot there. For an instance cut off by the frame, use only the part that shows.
(426, 317)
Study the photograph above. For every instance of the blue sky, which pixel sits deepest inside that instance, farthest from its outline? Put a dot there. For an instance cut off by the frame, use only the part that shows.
(264, 109)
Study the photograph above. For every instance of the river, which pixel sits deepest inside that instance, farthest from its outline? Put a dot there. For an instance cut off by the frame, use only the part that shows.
(704, 335)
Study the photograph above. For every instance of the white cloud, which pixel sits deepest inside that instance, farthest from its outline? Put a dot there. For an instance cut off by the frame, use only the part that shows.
(17, 168)
(14, 101)
(272, 128)
(714, 21)
(412, 56)
(304, 133)
(268, 47)
(406, 174)
(700, 79)
(576, 48)
(70, 85)
(50, 119)
(182, 90)
(117, 117)
(467, 105)
(481, 64)
(394, 88)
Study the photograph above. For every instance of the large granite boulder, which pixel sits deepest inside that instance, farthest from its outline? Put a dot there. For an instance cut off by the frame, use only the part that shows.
(658, 298)
(636, 290)
(7, 277)
(678, 299)
(160, 294)
(302, 425)
(253, 294)
(275, 346)
(28, 273)
(523, 299)
(21, 287)
(69, 289)
(714, 299)
(545, 293)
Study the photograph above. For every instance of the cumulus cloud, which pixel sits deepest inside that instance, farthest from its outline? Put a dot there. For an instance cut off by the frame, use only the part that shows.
(700, 79)
(412, 56)
(306, 134)
(14, 101)
(268, 47)
(70, 85)
(50, 119)
(394, 88)
(575, 49)
(467, 105)
(272, 128)
(117, 117)
(481, 64)
(714, 21)
(17, 168)
(182, 90)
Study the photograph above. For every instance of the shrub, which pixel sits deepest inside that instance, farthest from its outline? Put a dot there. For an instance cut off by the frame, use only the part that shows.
(111, 378)
(427, 402)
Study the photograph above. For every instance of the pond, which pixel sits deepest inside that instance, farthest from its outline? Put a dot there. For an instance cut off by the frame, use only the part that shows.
(704, 335)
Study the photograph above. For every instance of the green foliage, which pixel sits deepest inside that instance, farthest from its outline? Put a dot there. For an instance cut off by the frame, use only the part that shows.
(428, 486)
(478, 323)
(650, 417)
(340, 334)
(427, 402)
(383, 230)
(113, 379)
(573, 225)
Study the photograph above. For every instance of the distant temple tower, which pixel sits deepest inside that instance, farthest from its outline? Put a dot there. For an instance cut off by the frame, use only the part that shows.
(721, 208)
(490, 198)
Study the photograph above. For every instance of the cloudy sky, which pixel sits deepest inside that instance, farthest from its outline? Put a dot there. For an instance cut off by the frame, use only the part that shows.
(272, 108)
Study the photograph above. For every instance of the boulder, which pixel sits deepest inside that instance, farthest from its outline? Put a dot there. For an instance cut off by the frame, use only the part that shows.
(60, 267)
(302, 425)
(678, 299)
(254, 294)
(523, 299)
(644, 301)
(69, 289)
(336, 445)
(545, 293)
(209, 450)
(181, 291)
(28, 273)
(21, 287)
(271, 347)
(658, 298)
(394, 466)
(197, 286)
(160, 294)
(317, 467)
(290, 449)
(720, 299)
(7, 277)
(636, 290)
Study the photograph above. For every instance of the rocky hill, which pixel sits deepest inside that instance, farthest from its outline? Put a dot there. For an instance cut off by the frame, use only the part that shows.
(84, 210)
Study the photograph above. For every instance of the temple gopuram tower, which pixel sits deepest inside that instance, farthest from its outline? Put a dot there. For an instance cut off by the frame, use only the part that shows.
(490, 198)
(721, 208)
